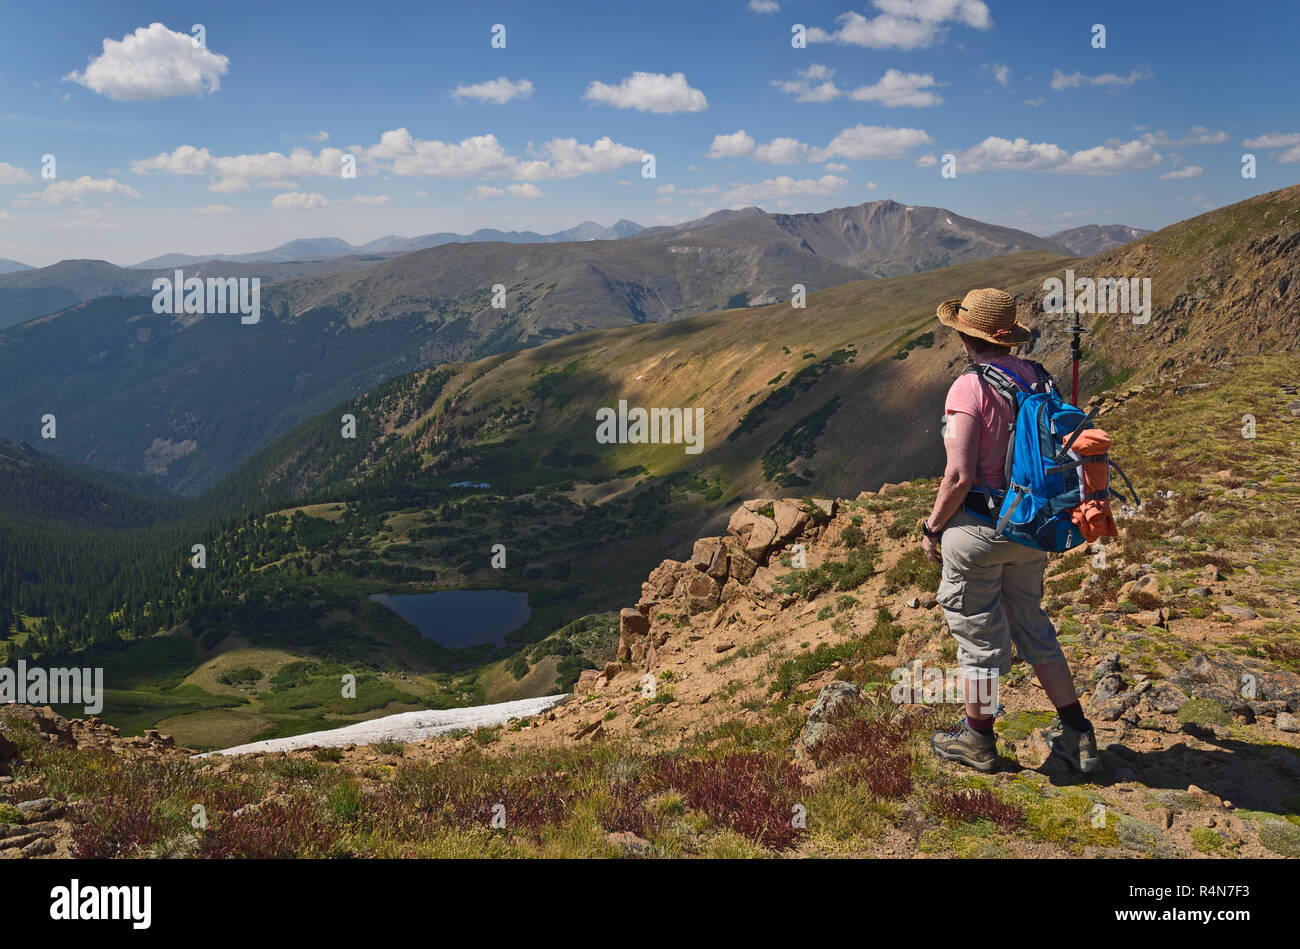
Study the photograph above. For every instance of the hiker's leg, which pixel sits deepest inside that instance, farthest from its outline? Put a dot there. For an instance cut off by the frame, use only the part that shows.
(971, 596)
(1057, 682)
(1035, 636)
(1031, 629)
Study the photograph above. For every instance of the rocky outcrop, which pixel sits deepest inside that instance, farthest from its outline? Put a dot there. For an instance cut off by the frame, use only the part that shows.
(718, 570)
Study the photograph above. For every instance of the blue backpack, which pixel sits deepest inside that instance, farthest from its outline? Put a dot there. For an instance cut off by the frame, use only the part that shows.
(1044, 480)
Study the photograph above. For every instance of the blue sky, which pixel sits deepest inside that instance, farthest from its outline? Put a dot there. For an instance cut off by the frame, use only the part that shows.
(162, 147)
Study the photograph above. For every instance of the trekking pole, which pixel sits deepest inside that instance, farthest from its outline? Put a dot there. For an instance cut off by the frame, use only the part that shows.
(1076, 330)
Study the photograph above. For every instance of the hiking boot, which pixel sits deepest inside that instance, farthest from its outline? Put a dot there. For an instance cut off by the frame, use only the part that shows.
(964, 744)
(1078, 748)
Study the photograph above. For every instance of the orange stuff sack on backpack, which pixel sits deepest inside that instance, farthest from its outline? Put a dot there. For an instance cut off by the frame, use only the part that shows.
(1092, 516)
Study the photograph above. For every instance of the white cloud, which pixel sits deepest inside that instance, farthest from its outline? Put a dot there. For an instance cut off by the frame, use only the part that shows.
(497, 91)
(64, 192)
(1036, 102)
(649, 92)
(673, 189)
(852, 144)
(1001, 73)
(897, 88)
(764, 6)
(234, 173)
(371, 199)
(781, 151)
(1199, 135)
(836, 167)
(736, 145)
(321, 136)
(152, 63)
(214, 209)
(403, 154)
(894, 88)
(783, 187)
(871, 141)
(1073, 80)
(398, 153)
(299, 200)
(1020, 154)
(13, 175)
(484, 192)
(904, 24)
(1288, 141)
(1190, 171)
(871, 186)
(926, 161)
(569, 158)
(813, 85)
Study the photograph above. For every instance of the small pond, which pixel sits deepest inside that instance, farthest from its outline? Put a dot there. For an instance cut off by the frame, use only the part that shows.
(460, 618)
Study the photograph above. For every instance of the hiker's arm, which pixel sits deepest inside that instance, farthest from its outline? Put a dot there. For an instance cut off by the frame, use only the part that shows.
(962, 441)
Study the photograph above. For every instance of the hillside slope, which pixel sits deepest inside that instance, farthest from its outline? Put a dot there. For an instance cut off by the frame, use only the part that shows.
(752, 711)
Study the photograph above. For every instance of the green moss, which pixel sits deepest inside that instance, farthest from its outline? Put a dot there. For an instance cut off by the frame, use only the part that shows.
(1205, 840)
(1017, 725)
(10, 814)
(1280, 837)
(1067, 820)
(1204, 712)
(1143, 837)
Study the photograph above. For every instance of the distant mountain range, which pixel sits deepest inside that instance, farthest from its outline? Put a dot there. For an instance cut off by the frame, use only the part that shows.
(1095, 238)
(323, 247)
(11, 266)
(140, 392)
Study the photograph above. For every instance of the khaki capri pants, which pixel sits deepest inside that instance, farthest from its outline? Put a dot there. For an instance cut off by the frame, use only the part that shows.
(992, 596)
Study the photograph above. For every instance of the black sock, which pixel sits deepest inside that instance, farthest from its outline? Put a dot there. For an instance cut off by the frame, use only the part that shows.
(1072, 716)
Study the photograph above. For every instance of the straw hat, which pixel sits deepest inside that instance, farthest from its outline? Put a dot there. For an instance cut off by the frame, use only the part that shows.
(985, 314)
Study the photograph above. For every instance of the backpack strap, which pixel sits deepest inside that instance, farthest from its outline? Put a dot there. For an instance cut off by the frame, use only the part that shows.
(1000, 380)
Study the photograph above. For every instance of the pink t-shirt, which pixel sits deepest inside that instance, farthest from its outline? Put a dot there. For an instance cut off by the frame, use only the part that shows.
(970, 394)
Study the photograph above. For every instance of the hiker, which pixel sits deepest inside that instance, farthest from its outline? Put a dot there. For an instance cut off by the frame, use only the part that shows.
(991, 589)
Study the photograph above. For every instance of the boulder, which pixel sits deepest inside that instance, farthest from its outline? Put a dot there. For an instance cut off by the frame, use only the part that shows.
(1108, 687)
(756, 532)
(833, 697)
(1163, 697)
(633, 626)
(586, 681)
(45, 808)
(1239, 612)
(703, 593)
(789, 519)
(740, 566)
(662, 580)
(705, 552)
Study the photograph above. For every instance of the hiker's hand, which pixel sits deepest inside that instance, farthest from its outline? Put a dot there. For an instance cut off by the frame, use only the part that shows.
(931, 549)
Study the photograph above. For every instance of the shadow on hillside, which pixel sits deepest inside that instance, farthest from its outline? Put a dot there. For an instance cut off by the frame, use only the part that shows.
(1246, 774)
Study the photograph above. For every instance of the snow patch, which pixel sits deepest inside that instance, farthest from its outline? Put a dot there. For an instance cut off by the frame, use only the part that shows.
(405, 726)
